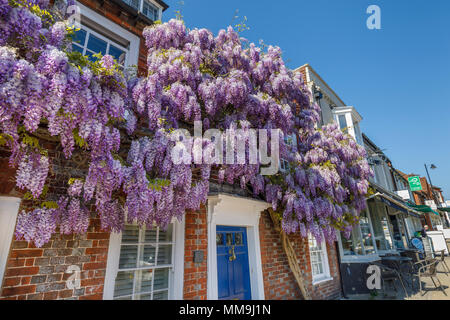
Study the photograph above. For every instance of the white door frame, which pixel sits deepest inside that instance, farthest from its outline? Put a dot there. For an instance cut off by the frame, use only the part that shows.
(9, 208)
(236, 211)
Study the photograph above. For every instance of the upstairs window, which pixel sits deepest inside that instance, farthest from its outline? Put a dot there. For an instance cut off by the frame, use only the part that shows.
(89, 42)
(133, 3)
(342, 123)
(150, 11)
(147, 8)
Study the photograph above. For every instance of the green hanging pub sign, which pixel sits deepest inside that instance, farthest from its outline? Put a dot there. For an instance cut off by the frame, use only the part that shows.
(414, 183)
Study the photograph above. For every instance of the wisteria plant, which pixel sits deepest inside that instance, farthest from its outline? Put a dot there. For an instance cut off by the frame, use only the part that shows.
(124, 126)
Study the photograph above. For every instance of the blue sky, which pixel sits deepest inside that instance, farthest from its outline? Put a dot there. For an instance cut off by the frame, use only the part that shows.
(398, 78)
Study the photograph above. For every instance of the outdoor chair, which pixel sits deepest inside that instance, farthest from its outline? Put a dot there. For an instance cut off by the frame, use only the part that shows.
(429, 271)
(413, 265)
(389, 275)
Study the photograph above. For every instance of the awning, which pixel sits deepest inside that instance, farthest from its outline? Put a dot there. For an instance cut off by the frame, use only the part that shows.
(444, 209)
(422, 208)
(396, 204)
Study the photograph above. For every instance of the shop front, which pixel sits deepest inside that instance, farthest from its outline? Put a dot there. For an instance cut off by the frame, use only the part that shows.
(386, 226)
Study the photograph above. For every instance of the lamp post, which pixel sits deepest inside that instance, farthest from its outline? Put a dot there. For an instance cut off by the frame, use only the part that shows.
(435, 198)
(432, 166)
(318, 96)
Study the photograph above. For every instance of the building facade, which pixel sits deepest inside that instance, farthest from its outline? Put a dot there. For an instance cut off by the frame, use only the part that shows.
(388, 223)
(229, 249)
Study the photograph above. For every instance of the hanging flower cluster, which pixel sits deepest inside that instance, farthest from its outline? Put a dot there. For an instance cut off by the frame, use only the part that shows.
(221, 81)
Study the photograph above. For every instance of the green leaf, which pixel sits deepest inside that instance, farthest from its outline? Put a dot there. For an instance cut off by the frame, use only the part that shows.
(49, 205)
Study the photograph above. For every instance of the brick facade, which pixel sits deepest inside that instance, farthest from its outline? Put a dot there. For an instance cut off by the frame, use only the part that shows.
(196, 238)
(40, 273)
(279, 282)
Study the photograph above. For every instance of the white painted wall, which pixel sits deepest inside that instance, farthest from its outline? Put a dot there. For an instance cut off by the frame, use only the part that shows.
(9, 208)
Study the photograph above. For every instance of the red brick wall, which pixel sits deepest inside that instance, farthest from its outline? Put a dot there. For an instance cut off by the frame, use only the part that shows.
(40, 273)
(196, 238)
(279, 282)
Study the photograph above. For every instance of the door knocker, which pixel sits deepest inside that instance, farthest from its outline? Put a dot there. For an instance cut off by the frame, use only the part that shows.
(233, 255)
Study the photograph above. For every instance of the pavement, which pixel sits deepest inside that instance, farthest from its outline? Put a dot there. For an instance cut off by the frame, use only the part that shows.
(429, 291)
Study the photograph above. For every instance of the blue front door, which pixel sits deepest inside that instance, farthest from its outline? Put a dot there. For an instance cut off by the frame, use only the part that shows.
(232, 263)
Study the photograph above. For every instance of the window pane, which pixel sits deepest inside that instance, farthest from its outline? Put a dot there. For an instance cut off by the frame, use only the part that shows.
(130, 234)
(148, 256)
(118, 54)
(150, 11)
(229, 239)
(380, 226)
(219, 239)
(132, 3)
(342, 122)
(147, 296)
(398, 231)
(352, 246)
(90, 55)
(80, 37)
(161, 295)
(97, 45)
(366, 234)
(150, 235)
(164, 254)
(144, 280)
(238, 240)
(77, 48)
(161, 279)
(166, 235)
(128, 256)
(124, 283)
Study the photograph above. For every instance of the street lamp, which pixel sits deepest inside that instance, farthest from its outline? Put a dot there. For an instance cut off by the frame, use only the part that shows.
(432, 166)
(435, 198)
(318, 96)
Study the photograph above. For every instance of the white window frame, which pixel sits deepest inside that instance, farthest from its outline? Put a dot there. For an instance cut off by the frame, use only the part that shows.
(365, 257)
(157, 6)
(9, 209)
(134, 41)
(108, 41)
(141, 7)
(325, 275)
(176, 274)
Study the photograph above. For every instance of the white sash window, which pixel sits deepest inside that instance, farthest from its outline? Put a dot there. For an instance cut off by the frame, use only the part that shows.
(319, 260)
(146, 264)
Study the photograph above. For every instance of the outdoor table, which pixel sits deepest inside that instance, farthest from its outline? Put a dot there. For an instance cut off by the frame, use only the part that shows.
(396, 262)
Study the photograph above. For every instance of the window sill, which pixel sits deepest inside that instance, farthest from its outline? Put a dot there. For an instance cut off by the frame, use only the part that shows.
(360, 258)
(320, 280)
